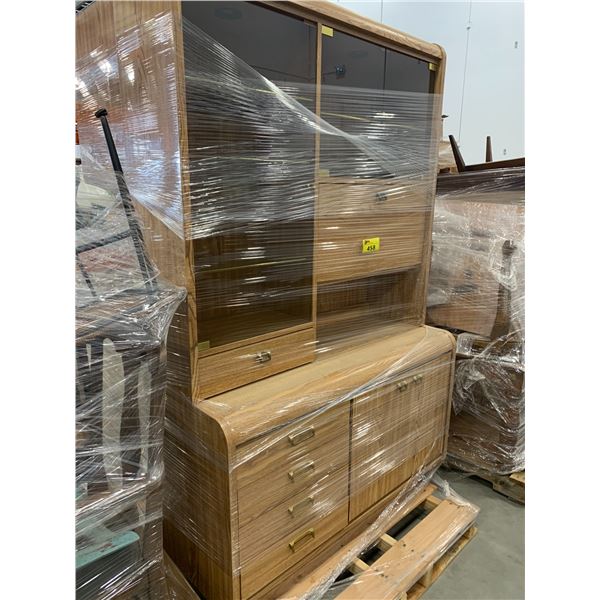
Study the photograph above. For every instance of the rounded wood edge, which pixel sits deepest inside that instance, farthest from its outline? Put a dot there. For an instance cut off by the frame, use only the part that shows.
(442, 53)
(443, 333)
(353, 20)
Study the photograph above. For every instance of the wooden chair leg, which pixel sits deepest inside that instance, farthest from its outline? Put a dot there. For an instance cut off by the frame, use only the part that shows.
(458, 159)
(488, 149)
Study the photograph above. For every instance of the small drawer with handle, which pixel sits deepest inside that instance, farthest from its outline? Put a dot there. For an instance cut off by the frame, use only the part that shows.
(227, 370)
(369, 198)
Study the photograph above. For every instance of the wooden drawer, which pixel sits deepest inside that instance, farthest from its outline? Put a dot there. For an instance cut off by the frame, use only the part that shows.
(371, 198)
(319, 499)
(277, 467)
(398, 428)
(279, 555)
(341, 245)
(231, 369)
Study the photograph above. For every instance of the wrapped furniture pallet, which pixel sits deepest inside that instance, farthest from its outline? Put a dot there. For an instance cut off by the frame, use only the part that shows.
(476, 289)
(123, 314)
(283, 156)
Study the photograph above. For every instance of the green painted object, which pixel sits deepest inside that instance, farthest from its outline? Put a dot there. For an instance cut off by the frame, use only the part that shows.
(103, 543)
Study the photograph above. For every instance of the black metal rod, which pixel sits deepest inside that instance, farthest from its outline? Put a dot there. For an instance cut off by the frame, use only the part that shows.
(136, 232)
(103, 242)
(85, 275)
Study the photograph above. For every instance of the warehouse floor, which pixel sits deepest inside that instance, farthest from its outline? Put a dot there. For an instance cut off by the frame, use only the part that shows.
(492, 565)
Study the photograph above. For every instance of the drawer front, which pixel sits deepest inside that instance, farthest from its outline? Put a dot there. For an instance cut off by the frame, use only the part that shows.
(372, 198)
(343, 250)
(299, 512)
(224, 371)
(277, 556)
(396, 429)
(277, 468)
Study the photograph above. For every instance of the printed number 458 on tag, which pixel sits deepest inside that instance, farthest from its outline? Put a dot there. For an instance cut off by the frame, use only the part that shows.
(370, 246)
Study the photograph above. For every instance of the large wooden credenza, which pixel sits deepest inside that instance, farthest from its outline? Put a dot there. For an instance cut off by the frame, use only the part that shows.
(271, 478)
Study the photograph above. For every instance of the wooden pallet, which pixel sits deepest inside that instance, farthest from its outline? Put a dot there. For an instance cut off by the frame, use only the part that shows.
(512, 486)
(404, 562)
(419, 544)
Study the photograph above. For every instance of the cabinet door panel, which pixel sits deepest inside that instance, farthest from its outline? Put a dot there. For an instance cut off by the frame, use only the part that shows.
(407, 74)
(278, 46)
(397, 428)
(252, 189)
(351, 62)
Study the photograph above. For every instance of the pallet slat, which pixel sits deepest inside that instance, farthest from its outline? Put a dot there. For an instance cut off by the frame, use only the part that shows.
(440, 566)
(357, 566)
(512, 486)
(385, 542)
(519, 477)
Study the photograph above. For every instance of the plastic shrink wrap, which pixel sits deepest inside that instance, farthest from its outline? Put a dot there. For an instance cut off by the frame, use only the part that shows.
(123, 311)
(306, 401)
(476, 289)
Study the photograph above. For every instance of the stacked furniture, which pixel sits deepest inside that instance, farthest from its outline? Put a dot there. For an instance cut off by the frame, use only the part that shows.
(119, 424)
(306, 396)
(476, 290)
(487, 428)
(122, 322)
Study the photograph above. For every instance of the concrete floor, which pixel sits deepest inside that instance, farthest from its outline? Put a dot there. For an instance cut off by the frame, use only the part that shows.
(492, 565)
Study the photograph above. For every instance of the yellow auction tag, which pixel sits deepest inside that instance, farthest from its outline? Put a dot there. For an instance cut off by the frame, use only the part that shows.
(370, 246)
(327, 31)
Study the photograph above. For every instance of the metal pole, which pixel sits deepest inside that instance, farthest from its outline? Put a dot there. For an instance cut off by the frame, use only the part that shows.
(136, 232)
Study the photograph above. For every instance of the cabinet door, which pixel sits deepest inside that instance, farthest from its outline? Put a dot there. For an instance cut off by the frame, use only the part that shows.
(415, 81)
(278, 46)
(397, 428)
(407, 74)
(252, 188)
(351, 62)
(352, 74)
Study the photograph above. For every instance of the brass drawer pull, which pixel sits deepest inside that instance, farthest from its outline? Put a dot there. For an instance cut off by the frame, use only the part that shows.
(306, 502)
(402, 385)
(263, 357)
(303, 470)
(296, 438)
(308, 533)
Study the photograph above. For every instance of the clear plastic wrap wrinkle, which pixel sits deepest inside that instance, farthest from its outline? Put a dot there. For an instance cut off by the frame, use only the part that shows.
(306, 401)
(248, 137)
